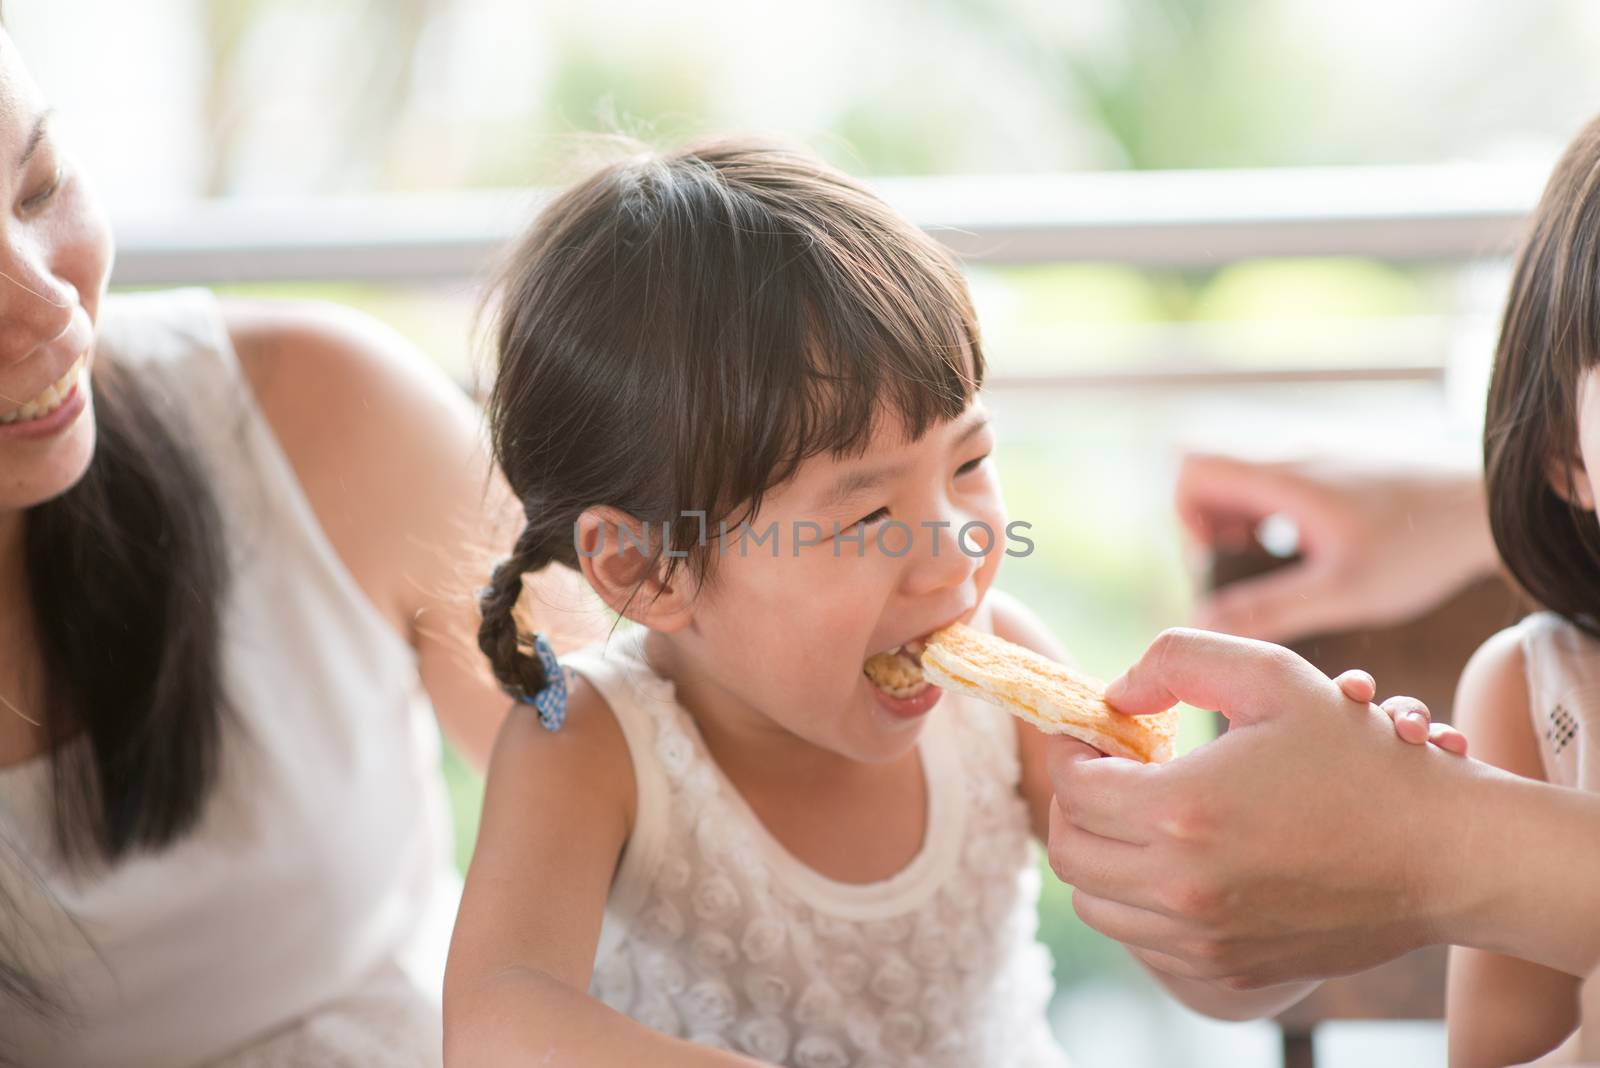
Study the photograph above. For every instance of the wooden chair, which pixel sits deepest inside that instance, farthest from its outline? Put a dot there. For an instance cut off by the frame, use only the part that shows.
(1422, 658)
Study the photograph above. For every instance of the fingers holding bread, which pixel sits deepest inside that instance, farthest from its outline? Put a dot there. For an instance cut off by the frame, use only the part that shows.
(1048, 694)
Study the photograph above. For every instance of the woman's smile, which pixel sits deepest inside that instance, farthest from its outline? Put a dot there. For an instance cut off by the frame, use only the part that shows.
(62, 394)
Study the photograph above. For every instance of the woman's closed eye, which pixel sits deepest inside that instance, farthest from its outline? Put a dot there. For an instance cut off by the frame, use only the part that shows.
(42, 197)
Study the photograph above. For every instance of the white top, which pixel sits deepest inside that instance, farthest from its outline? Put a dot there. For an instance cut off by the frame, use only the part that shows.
(1562, 665)
(306, 918)
(1563, 673)
(716, 933)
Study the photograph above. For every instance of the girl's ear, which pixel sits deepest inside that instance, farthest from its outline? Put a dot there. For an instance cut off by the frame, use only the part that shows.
(620, 558)
(1570, 480)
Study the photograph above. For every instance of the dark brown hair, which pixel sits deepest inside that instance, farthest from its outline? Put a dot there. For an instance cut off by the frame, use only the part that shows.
(127, 571)
(680, 331)
(1549, 338)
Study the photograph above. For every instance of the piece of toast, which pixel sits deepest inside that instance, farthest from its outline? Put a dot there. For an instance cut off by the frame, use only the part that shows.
(1047, 694)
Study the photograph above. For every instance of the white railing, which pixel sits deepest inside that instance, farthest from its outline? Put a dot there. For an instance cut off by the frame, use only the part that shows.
(1450, 213)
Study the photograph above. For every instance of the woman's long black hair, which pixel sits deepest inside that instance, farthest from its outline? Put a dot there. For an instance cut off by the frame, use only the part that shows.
(126, 572)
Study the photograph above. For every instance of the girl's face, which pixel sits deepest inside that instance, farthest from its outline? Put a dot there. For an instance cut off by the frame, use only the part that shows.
(55, 259)
(859, 556)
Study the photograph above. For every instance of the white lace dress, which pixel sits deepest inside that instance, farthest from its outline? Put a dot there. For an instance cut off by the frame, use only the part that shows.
(716, 933)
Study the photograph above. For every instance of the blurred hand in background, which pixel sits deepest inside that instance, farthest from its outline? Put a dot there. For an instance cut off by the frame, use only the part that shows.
(1374, 544)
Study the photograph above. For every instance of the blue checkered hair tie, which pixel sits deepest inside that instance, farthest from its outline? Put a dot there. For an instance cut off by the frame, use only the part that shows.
(551, 700)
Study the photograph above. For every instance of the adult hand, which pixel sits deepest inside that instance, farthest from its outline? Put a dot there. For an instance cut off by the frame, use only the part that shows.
(1304, 843)
(1378, 545)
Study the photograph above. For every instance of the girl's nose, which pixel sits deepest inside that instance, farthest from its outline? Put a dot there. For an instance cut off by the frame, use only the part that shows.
(943, 558)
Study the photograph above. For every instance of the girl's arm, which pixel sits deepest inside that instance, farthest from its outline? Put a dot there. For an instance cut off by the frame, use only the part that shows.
(1503, 1010)
(557, 814)
(1015, 622)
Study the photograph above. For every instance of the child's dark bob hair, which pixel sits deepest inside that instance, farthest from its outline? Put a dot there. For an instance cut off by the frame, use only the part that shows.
(680, 331)
(1550, 338)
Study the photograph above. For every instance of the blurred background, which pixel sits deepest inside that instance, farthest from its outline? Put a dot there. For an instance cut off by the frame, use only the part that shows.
(1256, 225)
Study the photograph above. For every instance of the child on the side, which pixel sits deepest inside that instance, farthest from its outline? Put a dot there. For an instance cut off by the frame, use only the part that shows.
(1530, 697)
(714, 840)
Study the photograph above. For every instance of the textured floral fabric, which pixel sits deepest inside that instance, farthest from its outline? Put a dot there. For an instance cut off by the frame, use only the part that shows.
(715, 933)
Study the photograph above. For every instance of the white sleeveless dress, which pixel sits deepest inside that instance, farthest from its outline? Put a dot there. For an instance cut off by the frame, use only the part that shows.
(1562, 667)
(1563, 674)
(306, 918)
(716, 933)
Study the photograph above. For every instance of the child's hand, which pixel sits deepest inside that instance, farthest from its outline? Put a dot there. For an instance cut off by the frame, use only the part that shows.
(1412, 720)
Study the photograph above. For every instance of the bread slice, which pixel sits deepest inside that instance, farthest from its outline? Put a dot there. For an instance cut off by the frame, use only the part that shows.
(1047, 694)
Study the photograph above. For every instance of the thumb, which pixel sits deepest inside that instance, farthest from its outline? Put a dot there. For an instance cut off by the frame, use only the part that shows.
(1246, 680)
(1288, 603)
(1065, 750)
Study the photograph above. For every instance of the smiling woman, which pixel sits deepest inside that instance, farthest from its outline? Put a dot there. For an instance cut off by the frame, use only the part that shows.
(237, 551)
(125, 531)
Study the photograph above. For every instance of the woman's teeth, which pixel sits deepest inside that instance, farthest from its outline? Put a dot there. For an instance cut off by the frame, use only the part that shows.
(48, 401)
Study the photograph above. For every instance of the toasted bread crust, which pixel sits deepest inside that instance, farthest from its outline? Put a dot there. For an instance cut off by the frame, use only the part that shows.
(1047, 694)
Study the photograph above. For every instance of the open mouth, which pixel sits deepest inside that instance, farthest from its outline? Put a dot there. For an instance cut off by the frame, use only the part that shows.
(898, 671)
(54, 396)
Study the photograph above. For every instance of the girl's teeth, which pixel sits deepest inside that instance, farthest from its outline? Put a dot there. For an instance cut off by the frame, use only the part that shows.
(49, 400)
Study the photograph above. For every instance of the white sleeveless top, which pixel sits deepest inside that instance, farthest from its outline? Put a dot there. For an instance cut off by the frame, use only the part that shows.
(716, 933)
(1563, 673)
(1562, 667)
(306, 918)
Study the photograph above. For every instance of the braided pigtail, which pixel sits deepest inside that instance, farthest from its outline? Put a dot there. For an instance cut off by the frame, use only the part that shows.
(525, 666)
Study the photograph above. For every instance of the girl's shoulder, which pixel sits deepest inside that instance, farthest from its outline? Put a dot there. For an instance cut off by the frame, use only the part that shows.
(1561, 666)
(1495, 703)
(609, 745)
(1550, 656)
(1495, 676)
(584, 768)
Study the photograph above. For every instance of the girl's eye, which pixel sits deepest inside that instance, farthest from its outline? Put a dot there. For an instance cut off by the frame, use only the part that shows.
(43, 196)
(881, 513)
(971, 465)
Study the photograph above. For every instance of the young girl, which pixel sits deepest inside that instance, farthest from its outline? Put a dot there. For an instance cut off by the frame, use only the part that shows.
(740, 394)
(1530, 698)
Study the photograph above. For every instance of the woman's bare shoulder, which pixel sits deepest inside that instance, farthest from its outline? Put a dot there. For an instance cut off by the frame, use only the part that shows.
(386, 448)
